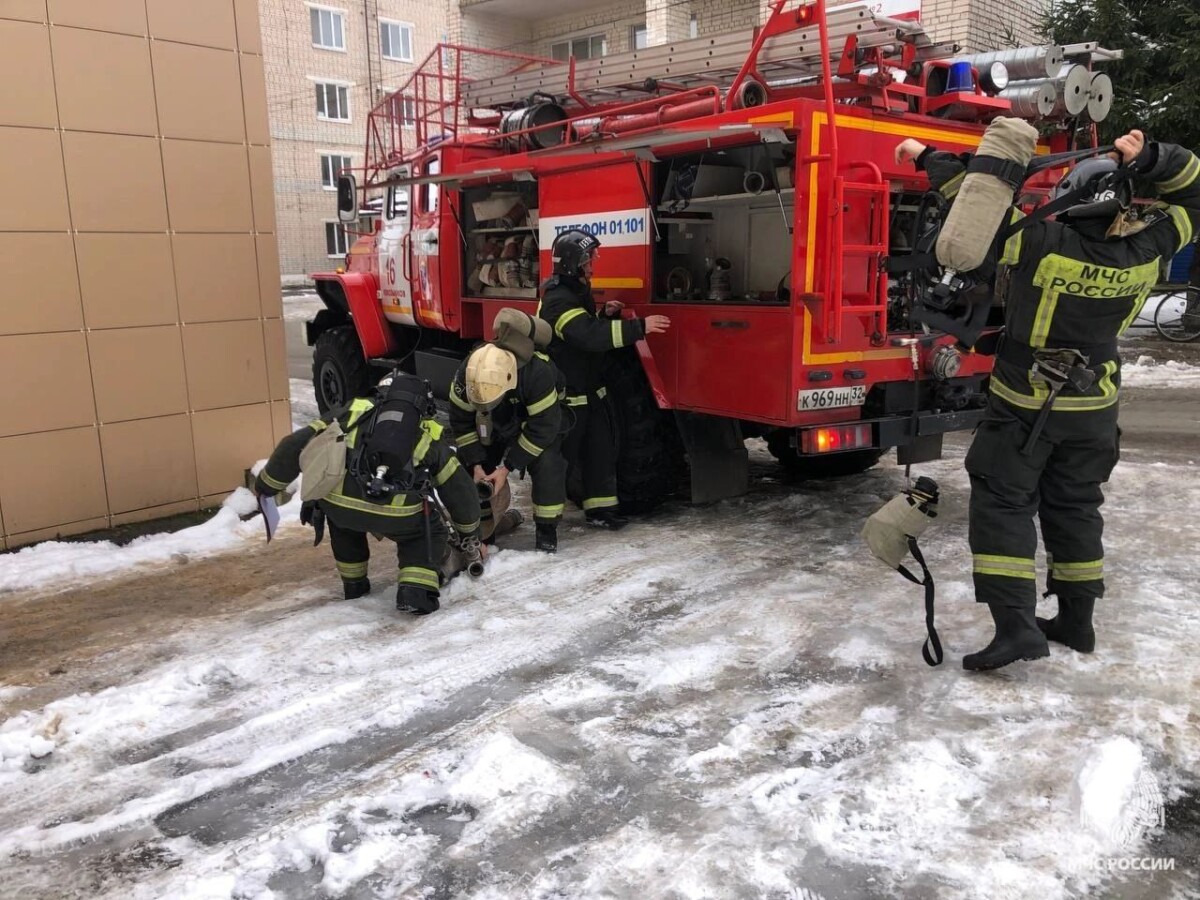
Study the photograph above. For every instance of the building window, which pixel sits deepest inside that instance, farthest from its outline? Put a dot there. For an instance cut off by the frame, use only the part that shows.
(591, 47)
(395, 39)
(331, 168)
(333, 102)
(639, 37)
(408, 112)
(693, 27)
(335, 239)
(327, 32)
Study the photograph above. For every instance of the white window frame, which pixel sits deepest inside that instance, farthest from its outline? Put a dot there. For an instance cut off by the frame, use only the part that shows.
(408, 112)
(633, 35)
(693, 26)
(569, 43)
(342, 85)
(338, 229)
(333, 11)
(323, 155)
(412, 34)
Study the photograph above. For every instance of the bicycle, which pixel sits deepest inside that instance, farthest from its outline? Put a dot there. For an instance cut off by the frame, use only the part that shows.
(1177, 316)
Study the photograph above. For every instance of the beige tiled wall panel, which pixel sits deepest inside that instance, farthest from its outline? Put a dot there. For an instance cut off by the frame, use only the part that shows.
(31, 181)
(30, 10)
(208, 23)
(109, 251)
(199, 92)
(115, 182)
(217, 277)
(51, 479)
(41, 288)
(122, 16)
(208, 186)
(44, 383)
(155, 512)
(248, 34)
(262, 189)
(229, 441)
(225, 364)
(28, 94)
(134, 450)
(277, 373)
(104, 82)
(138, 373)
(127, 280)
(268, 276)
(281, 419)
(254, 97)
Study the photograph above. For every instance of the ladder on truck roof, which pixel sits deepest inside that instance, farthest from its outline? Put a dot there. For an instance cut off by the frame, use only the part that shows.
(461, 93)
(788, 57)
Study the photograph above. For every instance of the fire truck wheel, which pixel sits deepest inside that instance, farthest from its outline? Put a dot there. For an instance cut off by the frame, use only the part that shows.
(650, 458)
(834, 465)
(340, 371)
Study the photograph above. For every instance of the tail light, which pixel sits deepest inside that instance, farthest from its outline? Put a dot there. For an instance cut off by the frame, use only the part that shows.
(833, 438)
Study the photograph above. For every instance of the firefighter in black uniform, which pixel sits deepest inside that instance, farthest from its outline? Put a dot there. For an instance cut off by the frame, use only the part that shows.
(400, 434)
(1050, 438)
(581, 338)
(506, 415)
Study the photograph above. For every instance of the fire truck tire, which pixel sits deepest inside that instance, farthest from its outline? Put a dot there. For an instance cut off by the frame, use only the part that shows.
(340, 372)
(650, 458)
(835, 465)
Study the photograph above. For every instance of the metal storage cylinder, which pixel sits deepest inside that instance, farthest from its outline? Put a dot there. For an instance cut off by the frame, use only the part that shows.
(1027, 62)
(1031, 101)
(1100, 97)
(1071, 89)
(538, 114)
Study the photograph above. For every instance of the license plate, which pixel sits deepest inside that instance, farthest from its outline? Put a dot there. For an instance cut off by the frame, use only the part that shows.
(831, 398)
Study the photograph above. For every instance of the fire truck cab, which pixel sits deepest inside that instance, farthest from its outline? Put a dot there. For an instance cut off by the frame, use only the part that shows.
(745, 185)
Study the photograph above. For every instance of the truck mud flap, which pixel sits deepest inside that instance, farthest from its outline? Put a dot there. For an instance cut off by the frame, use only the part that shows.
(717, 456)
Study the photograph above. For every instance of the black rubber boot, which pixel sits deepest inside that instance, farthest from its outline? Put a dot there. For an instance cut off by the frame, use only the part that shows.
(358, 587)
(606, 518)
(416, 600)
(546, 537)
(1073, 624)
(1017, 637)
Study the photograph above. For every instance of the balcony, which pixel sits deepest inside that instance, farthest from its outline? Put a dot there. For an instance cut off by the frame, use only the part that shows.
(529, 9)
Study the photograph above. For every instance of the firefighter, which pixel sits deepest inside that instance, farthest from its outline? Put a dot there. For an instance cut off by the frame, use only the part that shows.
(1050, 439)
(506, 415)
(386, 435)
(581, 338)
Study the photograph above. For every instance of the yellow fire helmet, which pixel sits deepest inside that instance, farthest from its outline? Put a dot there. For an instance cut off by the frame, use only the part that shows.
(491, 373)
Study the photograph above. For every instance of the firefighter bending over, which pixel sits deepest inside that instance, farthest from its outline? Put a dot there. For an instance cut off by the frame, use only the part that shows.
(394, 456)
(581, 338)
(506, 415)
(1050, 438)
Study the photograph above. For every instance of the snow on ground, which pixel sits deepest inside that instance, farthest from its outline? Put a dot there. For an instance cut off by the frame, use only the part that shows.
(62, 564)
(1146, 371)
(302, 305)
(304, 402)
(716, 702)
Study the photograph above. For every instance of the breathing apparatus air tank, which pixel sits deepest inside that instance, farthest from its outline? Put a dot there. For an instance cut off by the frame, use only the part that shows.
(985, 197)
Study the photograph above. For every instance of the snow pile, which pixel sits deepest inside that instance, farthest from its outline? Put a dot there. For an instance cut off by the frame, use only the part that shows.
(1117, 796)
(63, 564)
(1148, 372)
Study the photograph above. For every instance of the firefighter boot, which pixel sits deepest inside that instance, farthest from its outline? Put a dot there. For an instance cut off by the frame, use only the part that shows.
(546, 537)
(356, 587)
(1073, 624)
(1017, 637)
(411, 598)
(606, 518)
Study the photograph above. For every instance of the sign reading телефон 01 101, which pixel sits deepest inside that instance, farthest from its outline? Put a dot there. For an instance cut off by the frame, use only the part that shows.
(614, 228)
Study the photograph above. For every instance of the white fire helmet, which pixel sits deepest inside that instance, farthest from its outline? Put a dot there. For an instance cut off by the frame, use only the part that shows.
(491, 373)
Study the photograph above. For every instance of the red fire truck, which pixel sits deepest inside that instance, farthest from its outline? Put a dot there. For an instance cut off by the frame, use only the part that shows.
(742, 184)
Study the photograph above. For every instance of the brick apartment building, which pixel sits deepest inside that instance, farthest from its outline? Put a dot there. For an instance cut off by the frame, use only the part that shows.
(328, 62)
